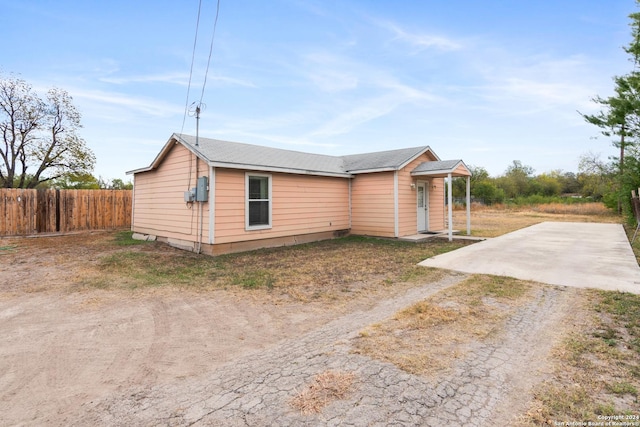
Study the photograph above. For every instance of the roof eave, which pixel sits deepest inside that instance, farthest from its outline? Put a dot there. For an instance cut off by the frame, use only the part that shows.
(263, 168)
(444, 172)
(174, 139)
(385, 169)
(420, 153)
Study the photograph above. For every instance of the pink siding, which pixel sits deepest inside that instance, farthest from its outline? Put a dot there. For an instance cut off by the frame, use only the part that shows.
(461, 170)
(407, 199)
(436, 205)
(372, 202)
(302, 204)
(159, 207)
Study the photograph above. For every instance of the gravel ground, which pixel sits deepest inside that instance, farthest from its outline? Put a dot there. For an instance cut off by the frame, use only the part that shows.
(489, 386)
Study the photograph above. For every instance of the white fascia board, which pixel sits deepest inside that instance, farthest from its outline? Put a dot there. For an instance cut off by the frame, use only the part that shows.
(357, 172)
(163, 152)
(418, 155)
(278, 169)
(442, 172)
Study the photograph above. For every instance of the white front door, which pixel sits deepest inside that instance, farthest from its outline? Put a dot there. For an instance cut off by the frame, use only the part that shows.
(422, 206)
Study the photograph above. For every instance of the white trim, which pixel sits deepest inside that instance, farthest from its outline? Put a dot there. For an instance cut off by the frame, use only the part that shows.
(133, 202)
(468, 206)
(212, 205)
(425, 200)
(450, 205)
(403, 165)
(396, 209)
(444, 171)
(248, 227)
(361, 171)
(277, 169)
(350, 207)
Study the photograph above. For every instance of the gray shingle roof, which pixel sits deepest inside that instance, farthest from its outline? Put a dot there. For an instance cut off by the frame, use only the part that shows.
(392, 159)
(234, 153)
(237, 155)
(440, 167)
(246, 155)
(436, 166)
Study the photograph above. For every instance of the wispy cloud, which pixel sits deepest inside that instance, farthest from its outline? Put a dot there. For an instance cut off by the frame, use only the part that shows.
(524, 86)
(331, 73)
(420, 41)
(181, 79)
(282, 139)
(100, 100)
(365, 110)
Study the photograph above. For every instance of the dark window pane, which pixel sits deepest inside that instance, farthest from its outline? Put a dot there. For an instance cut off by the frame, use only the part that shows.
(258, 187)
(258, 213)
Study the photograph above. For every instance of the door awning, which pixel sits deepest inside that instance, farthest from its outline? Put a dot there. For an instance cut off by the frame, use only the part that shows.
(448, 169)
(442, 168)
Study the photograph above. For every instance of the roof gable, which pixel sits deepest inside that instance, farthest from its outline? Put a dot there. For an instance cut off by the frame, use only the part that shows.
(441, 168)
(383, 160)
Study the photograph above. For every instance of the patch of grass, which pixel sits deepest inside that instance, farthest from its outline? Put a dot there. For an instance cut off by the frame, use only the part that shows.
(598, 365)
(143, 269)
(426, 314)
(625, 310)
(254, 279)
(429, 335)
(324, 389)
(572, 402)
(310, 272)
(502, 288)
(622, 388)
(7, 248)
(498, 220)
(124, 238)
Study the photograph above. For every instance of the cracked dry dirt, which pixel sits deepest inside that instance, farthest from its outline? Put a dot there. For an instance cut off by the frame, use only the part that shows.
(179, 358)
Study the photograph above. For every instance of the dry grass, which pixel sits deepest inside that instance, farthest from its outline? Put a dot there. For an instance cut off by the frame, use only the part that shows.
(597, 367)
(332, 270)
(324, 389)
(429, 336)
(498, 220)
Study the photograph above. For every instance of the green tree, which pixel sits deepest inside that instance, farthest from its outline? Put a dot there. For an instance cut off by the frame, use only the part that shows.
(598, 179)
(630, 182)
(488, 192)
(620, 115)
(83, 181)
(40, 140)
(545, 185)
(118, 184)
(569, 183)
(516, 180)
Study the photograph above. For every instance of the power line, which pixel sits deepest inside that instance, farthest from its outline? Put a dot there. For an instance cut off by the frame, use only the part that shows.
(193, 56)
(213, 35)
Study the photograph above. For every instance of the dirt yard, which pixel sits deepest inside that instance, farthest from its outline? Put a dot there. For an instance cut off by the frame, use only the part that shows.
(79, 349)
(65, 343)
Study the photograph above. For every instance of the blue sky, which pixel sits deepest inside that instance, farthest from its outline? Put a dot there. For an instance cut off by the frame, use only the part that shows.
(489, 82)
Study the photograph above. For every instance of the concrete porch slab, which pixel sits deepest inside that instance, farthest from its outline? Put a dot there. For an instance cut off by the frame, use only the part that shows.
(589, 255)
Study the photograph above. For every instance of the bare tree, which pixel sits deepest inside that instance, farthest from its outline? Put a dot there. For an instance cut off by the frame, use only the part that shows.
(39, 137)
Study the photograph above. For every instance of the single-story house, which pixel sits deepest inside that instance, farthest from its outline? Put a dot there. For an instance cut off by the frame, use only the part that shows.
(216, 197)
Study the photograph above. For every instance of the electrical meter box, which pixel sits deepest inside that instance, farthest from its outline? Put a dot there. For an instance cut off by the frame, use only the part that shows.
(201, 190)
(190, 196)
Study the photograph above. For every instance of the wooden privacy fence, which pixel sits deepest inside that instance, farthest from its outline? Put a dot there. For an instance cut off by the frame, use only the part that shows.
(28, 212)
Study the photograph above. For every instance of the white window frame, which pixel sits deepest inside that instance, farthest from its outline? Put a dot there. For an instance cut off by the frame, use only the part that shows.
(246, 201)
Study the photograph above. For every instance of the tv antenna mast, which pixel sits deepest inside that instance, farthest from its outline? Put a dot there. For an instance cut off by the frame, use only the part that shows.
(194, 111)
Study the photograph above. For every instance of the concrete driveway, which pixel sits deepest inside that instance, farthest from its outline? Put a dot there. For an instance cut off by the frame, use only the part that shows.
(587, 255)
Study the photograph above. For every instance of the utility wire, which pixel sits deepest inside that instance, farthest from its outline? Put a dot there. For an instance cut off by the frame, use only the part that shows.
(193, 56)
(213, 35)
